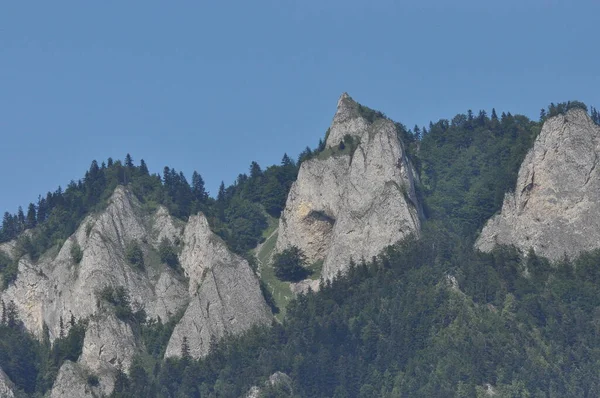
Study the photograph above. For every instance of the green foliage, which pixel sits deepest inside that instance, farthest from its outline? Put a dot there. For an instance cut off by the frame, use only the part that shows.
(237, 214)
(76, 252)
(468, 164)
(395, 327)
(168, 254)
(563, 107)
(119, 299)
(8, 269)
(246, 222)
(134, 254)
(32, 365)
(93, 381)
(155, 334)
(595, 115)
(370, 114)
(69, 347)
(269, 297)
(290, 265)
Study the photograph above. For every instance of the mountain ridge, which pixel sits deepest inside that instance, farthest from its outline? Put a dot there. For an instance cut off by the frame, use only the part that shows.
(183, 258)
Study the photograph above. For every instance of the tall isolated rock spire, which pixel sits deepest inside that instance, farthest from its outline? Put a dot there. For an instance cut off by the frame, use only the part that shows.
(352, 200)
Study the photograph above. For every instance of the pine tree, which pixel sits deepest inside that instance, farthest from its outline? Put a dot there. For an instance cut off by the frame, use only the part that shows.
(144, 168)
(30, 221)
(494, 115)
(198, 189)
(221, 194)
(41, 210)
(21, 219)
(185, 350)
(128, 161)
(3, 319)
(255, 170)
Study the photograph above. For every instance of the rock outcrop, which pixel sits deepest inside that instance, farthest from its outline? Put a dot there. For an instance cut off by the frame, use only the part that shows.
(226, 294)
(277, 380)
(555, 208)
(6, 386)
(305, 286)
(72, 382)
(351, 203)
(109, 343)
(60, 287)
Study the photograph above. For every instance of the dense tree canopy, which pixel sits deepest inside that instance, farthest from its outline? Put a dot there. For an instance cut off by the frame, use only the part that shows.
(290, 265)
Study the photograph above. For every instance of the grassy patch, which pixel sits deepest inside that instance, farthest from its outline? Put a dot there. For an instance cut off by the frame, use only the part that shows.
(272, 224)
(316, 270)
(280, 290)
(347, 148)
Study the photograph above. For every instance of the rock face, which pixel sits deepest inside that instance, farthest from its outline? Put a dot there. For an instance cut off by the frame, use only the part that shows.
(277, 379)
(6, 386)
(58, 287)
(226, 294)
(108, 343)
(55, 288)
(348, 205)
(555, 208)
(72, 382)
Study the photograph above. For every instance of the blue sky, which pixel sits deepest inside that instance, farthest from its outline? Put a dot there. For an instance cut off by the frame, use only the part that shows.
(212, 86)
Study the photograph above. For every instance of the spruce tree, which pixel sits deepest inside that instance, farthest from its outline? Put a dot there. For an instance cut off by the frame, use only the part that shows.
(30, 221)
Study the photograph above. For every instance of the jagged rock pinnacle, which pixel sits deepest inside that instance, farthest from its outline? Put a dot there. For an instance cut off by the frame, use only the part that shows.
(555, 207)
(352, 204)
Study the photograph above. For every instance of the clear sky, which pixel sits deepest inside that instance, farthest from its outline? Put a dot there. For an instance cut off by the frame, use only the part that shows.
(212, 86)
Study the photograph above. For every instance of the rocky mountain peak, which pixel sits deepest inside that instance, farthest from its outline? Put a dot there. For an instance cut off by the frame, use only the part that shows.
(59, 286)
(555, 205)
(351, 203)
(346, 121)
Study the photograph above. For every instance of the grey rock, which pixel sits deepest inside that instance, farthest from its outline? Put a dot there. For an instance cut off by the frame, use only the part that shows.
(55, 288)
(555, 207)
(8, 247)
(71, 382)
(347, 120)
(6, 386)
(220, 283)
(109, 345)
(253, 392)
(227, 297)
(280, 378)
(305, 286)
(276, 379)
(346, 207)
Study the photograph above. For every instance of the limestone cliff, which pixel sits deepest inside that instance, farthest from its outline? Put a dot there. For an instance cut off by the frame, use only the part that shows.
(555, 206)
(72, 382)
(352, 203)
(6, 386)
(226, 296)
(57, 286)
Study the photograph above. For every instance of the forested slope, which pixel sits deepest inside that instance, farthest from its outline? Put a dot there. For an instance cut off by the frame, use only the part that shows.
(429, 317)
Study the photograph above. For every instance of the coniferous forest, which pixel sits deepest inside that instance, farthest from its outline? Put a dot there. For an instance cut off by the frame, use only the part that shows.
(429, 317)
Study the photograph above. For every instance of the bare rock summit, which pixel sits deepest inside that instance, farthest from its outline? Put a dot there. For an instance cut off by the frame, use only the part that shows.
(555, 207)
(352, 200)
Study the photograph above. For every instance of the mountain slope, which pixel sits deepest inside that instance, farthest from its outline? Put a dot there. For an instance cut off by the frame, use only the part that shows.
(93, 279)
